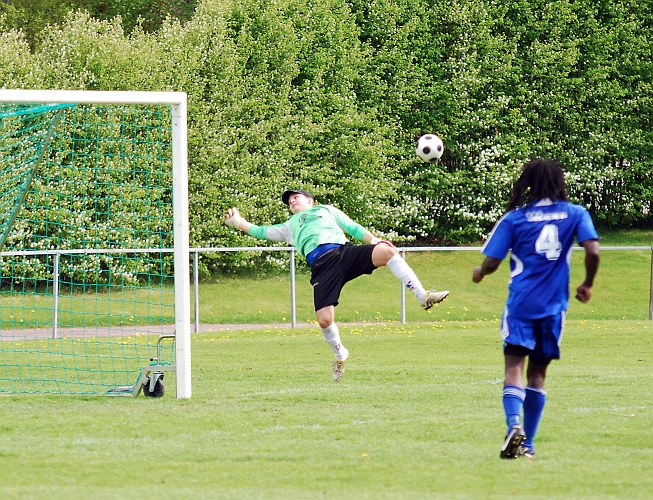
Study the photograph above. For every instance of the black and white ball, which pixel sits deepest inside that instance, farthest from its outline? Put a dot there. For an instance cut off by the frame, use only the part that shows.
(429, 148)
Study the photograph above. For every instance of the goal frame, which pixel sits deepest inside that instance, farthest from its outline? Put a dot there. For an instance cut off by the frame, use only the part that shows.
(178, 103)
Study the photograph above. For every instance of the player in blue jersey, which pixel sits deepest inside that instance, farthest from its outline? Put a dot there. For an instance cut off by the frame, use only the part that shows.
(538, 229)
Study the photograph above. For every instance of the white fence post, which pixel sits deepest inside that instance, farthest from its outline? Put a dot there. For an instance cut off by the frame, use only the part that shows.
(650, 300)
(196, 289)
(55, 295)
(293, 302)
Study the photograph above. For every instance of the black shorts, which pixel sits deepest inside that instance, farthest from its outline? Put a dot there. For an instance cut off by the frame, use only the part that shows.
(520, 351)
(332, 270)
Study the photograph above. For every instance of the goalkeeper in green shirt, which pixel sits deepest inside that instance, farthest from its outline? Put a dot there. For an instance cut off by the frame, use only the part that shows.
(318, 234)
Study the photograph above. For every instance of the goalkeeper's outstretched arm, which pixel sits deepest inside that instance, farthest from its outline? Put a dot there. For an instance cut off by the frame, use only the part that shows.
(275, 232)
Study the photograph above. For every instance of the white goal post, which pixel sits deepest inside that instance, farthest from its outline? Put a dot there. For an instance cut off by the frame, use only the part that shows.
(178, 104)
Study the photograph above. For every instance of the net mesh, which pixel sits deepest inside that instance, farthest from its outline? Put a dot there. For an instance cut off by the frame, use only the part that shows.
(86, 259)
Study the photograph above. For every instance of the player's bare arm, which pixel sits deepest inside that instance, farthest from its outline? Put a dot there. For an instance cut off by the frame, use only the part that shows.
(489, 265)
(592, 259)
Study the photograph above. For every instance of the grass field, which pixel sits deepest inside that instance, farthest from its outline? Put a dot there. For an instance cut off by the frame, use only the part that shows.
(417, 415)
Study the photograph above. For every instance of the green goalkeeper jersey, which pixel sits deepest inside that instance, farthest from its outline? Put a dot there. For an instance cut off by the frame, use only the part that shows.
(310, 228)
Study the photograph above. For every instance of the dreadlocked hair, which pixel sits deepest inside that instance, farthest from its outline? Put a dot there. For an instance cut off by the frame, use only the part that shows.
(539, 179)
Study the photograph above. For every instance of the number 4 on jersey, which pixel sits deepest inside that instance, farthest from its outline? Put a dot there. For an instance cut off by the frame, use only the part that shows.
(548, 243)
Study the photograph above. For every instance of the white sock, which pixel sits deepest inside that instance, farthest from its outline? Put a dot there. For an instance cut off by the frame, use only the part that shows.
(407, 276)
(331, 335)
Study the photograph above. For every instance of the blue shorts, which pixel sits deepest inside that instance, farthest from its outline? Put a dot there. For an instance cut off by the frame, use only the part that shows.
(539, 338)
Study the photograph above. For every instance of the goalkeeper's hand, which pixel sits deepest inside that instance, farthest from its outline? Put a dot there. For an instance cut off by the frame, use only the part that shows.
(233, 218)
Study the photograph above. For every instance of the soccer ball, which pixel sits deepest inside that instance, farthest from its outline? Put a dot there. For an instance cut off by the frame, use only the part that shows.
(429, 148)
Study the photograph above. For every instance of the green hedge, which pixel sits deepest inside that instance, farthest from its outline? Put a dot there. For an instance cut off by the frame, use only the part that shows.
(330, 95)
(32, 16)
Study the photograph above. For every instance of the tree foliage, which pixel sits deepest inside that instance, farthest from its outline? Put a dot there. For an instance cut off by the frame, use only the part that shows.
(330, 95)
(32, 16)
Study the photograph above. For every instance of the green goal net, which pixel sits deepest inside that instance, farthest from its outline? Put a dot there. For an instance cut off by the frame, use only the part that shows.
(89, 292)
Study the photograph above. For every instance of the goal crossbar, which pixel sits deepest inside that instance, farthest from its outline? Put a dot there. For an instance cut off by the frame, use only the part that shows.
(92, 97)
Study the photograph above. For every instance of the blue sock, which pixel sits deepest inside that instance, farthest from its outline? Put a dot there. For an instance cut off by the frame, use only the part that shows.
(513, 400)
(533, 408)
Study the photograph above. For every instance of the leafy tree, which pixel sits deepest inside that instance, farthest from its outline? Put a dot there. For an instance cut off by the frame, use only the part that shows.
(32, 16)
(332, 94)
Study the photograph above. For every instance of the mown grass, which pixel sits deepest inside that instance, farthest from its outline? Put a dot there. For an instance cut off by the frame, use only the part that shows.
(418, 415)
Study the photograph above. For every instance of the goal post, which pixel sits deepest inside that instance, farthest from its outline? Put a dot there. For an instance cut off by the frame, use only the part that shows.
(99, 207)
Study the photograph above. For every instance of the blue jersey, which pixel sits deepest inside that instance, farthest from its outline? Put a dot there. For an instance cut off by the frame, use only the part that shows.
(540, 237)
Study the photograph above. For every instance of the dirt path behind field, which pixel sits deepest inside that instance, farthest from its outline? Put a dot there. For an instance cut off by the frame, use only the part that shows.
(126, 331)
